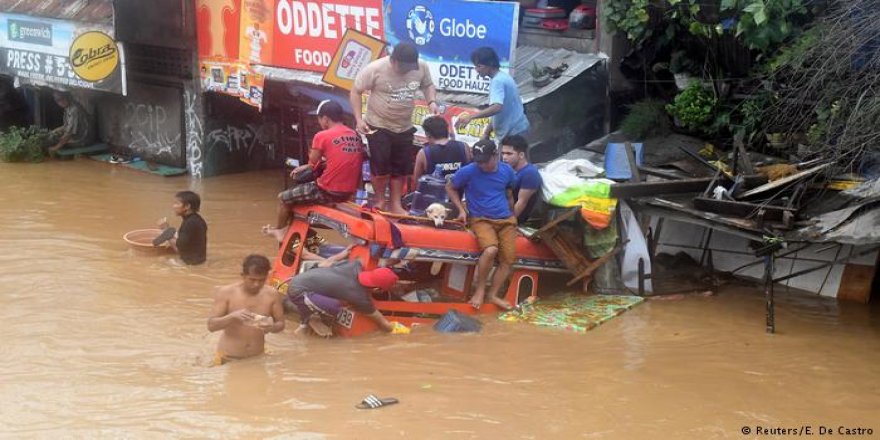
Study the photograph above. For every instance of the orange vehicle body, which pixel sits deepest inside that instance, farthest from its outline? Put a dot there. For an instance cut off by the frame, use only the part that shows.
(455, 251)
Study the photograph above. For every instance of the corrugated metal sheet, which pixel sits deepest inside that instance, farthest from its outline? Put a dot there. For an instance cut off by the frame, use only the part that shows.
(294, 75)
(526, 57)
(89, 11)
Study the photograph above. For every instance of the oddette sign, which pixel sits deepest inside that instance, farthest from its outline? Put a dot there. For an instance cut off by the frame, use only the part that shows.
(447, 31)
(94, 56)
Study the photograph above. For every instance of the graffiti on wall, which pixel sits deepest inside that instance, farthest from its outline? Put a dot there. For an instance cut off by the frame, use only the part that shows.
(244, 139)
(194, 131)
(148, 129)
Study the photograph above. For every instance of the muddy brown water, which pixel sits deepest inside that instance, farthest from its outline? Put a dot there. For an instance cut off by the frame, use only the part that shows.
(100, 343)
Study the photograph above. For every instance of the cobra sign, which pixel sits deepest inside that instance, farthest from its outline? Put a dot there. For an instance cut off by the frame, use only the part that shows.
(447, 31)
(60, 52)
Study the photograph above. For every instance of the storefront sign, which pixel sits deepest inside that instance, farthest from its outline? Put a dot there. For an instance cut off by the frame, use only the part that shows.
(94, 56)
(355, 51)
(307, 32)
(66, 53)
(234, 79)
(469, 134)
(447, 31)
(256, 28)
(217, 28)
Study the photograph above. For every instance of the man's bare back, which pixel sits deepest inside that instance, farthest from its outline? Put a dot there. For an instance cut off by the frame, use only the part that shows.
(245, 311)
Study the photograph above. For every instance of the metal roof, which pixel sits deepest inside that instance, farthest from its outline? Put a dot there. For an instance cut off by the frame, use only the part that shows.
(89, 11)
(526, 57)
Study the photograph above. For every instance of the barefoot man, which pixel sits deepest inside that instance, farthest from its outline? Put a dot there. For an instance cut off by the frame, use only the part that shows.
(487, 184)
(337, 150)
(246, 311)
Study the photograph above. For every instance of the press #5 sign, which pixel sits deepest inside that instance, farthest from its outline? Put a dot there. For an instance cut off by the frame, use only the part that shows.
(94, 56)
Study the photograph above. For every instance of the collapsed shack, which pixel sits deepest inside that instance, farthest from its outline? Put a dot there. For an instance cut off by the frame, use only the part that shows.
(742, 213)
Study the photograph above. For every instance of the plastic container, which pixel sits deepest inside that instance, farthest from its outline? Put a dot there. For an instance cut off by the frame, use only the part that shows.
(616, 163)
(548, 12)
(455, 322)
(141, 241)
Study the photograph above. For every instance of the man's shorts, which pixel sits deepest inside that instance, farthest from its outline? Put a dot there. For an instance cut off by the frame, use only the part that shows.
(309, 303)
(391, 153)
(500, 233)
(310, 192)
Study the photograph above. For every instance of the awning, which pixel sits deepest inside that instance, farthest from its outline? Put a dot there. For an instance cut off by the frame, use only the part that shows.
(87, 11)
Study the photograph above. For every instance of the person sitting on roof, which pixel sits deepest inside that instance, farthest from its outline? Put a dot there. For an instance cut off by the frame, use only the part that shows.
(450, 154)
(488, 187)
(514, 152)
(343, 155)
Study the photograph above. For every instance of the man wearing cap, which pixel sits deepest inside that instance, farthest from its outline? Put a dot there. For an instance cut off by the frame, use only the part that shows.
(488, 185)
(392, 83)
(320, 293)
(505, 104)
(337, 155)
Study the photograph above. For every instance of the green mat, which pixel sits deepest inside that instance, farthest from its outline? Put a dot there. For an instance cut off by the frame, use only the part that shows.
(574, 313)
(65, 153)
(140, 165)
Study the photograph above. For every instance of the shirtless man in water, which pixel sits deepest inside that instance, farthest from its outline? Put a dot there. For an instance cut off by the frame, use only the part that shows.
(246, 311)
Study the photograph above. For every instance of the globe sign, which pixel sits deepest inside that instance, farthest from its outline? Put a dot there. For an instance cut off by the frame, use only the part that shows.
(420, 25)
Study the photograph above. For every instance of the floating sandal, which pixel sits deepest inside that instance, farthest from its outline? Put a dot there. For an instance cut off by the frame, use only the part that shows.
(166, 235)
(373, 402)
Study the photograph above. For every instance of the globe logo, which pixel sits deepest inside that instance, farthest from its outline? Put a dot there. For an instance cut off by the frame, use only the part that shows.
(420, 25)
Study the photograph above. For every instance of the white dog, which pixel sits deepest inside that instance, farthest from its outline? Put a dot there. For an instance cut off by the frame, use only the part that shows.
(437, 212)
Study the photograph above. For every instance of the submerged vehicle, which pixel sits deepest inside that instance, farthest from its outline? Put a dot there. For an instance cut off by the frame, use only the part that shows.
(436, 265)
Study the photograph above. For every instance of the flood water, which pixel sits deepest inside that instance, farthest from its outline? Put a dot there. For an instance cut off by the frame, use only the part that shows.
(100, 343)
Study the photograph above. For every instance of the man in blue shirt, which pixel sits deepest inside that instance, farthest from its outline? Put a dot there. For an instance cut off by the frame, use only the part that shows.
(505, 105)
(514, 151)
(487, 184)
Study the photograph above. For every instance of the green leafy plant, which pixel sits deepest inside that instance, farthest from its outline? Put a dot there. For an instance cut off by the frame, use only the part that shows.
(764, 24)
(23, 144)
(628, 16)
(694, 107)
(538, 72)
(646, 119)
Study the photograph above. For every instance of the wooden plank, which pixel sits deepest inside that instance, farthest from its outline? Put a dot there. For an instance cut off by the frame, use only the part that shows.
(631, 159)
(91, 149)
(744, 159)
(784, 181)
(740, 209)
(855, 284)
(643, 189)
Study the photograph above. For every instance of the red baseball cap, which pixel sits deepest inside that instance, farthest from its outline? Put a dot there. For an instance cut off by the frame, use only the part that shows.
(382, 278)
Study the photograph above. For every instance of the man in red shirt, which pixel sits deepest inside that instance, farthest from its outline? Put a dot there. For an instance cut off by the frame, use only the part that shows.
(338, 151)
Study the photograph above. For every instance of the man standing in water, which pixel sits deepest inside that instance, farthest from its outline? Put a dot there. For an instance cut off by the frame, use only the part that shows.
(191, 240)
(246, 311)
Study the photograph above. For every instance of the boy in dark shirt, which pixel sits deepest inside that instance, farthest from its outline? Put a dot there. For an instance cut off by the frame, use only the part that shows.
(450, 154)
(191, 240)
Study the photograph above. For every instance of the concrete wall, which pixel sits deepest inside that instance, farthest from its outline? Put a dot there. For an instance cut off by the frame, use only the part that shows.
(148, 121)
(237, 137)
